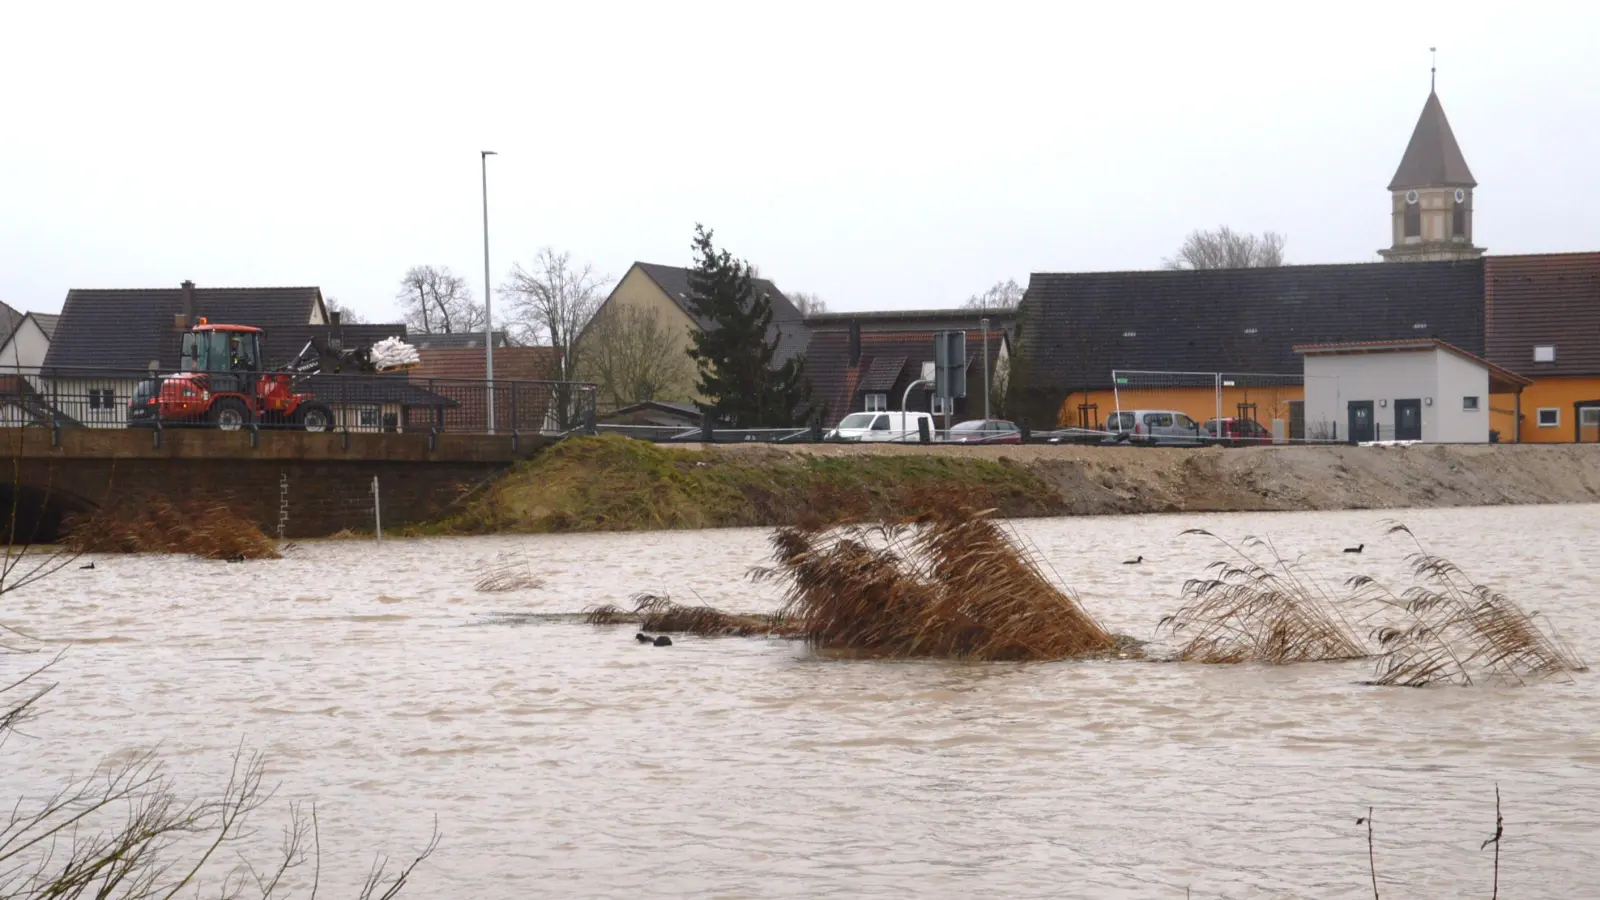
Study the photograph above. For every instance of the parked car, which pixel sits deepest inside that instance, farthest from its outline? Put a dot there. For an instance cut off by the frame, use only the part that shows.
(1072, 436)
(1150, 427)
(882, 426)
(1236, 432)
(985, 431)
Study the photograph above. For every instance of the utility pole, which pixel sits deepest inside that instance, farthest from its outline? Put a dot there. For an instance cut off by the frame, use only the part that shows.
(488, 315)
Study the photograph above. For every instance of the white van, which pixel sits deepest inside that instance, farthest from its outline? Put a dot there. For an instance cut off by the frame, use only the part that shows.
(883, 426)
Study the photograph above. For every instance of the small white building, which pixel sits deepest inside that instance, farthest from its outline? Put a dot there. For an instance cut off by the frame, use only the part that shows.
(1409, 390)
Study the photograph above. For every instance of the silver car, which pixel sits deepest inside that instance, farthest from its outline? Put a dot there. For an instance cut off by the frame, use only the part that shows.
(1150, 427)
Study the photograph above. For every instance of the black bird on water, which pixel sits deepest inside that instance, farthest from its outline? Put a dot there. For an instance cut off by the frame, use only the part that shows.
(660, 640)
(89, 566)
(1356, 549)
(663, 641)
(642, 638)
(1133, 562)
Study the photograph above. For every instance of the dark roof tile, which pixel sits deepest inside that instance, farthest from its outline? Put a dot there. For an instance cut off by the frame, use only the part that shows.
(1076, 328)
(1544, 299)
(1432, 158)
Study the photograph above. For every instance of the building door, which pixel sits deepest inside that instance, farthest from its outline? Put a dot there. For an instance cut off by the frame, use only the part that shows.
(1408, 420)
(1297, 420)
(1360, 421)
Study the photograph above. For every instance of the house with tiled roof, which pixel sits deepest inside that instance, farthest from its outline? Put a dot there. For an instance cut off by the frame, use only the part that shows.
(526, 392)
(663, 293)
(1542, 319)
(22, 350)
(1221, 341)
(869, 361)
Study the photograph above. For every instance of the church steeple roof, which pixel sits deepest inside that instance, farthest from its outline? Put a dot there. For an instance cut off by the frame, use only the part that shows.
(1433, 158)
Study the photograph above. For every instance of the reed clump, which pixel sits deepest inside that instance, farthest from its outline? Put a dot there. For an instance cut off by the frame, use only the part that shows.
(1454, 630)
(952, 584)
(1257, 606)
(1445, 628)
(660, 613)
(506, 574)
(156, 525)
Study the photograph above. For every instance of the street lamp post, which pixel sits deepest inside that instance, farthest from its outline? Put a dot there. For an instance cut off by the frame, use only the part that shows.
(488, 315)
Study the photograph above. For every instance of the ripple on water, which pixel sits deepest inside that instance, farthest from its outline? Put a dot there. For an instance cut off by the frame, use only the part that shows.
(566, 761)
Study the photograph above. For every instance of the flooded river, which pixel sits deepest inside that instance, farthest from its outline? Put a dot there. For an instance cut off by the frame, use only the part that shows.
(562, 760)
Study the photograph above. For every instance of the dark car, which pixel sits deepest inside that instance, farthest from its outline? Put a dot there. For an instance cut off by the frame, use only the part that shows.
(1236, 432)
(985, 431)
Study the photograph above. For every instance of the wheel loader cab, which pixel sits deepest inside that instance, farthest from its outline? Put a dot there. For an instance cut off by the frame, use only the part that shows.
(222, 349)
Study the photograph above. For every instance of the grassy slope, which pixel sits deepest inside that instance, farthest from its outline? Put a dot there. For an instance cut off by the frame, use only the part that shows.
(617, 484)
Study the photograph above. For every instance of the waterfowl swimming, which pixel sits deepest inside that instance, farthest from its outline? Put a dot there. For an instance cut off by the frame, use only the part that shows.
(663, 641)
(642, 638)
(89, 566)
(1133, 562)
(1356, 549)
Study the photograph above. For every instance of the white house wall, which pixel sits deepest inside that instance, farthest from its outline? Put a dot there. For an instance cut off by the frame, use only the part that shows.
(1458, 379)
(24, 351)
(1332, 382)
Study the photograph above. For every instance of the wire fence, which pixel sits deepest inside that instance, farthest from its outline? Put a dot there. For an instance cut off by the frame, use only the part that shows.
(395, 403)
(1243, 406)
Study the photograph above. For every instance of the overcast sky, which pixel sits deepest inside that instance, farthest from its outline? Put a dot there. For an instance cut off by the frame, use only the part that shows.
(882, 155)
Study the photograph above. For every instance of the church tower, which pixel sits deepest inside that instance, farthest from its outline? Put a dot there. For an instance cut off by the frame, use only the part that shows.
(1432, 195)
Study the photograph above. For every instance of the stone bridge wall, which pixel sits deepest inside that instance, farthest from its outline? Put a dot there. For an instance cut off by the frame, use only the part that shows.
(315, 484)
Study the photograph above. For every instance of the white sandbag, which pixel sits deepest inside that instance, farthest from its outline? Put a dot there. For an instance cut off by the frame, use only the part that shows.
(391, 354)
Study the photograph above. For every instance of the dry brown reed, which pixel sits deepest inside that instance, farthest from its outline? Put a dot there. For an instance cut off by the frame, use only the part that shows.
(507, 573)
(1443, 629)
(1258, 606)
(1455, 630)
(952, 584)
(659, 613)
(159, 526)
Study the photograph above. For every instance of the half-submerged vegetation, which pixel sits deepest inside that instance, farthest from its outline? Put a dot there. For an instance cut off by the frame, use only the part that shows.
(1443, 629)
(953, 585)
(653, 612)
(157, 525)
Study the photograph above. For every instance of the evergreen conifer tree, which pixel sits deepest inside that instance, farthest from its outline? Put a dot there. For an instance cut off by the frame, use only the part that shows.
(735, 354)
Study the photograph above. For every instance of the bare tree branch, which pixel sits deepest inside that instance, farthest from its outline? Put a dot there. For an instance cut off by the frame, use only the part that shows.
(633, 356)
(438, 301)
(552, 300)
(808, 304)
(1225, 248)
(347, 315)
(1000, 295)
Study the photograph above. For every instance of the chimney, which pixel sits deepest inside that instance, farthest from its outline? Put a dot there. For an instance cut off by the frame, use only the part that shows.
(855, 342)
(188, 304)
(333, 319)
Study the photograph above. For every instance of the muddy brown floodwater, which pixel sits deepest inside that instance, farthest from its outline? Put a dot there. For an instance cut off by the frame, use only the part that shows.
(567, 761)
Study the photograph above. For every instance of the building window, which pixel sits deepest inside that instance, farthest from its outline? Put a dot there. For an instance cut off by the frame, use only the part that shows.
(1544, 353)
(1589, 416)
(1413, 219)
(1549, 417)
(1458, 221)
(940, 407)
(101, 399)
(1470, 404)
(369, 416)
(877, 402)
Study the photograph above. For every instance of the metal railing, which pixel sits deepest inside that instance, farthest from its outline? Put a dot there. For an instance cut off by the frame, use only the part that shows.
(393, 403)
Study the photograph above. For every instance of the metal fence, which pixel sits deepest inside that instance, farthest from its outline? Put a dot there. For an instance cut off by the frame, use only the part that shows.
(1276, 402)
(395, 403)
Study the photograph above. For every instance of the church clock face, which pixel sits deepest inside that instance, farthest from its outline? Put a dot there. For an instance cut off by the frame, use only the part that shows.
(1461, 195)
(1411, 196)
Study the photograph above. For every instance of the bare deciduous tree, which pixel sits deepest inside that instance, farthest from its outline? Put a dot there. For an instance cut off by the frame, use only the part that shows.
(552, 300)
(1225, 248)
(1000, 295)
(633, 356)
(347, 315)
(808, 304)
(438, 301)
